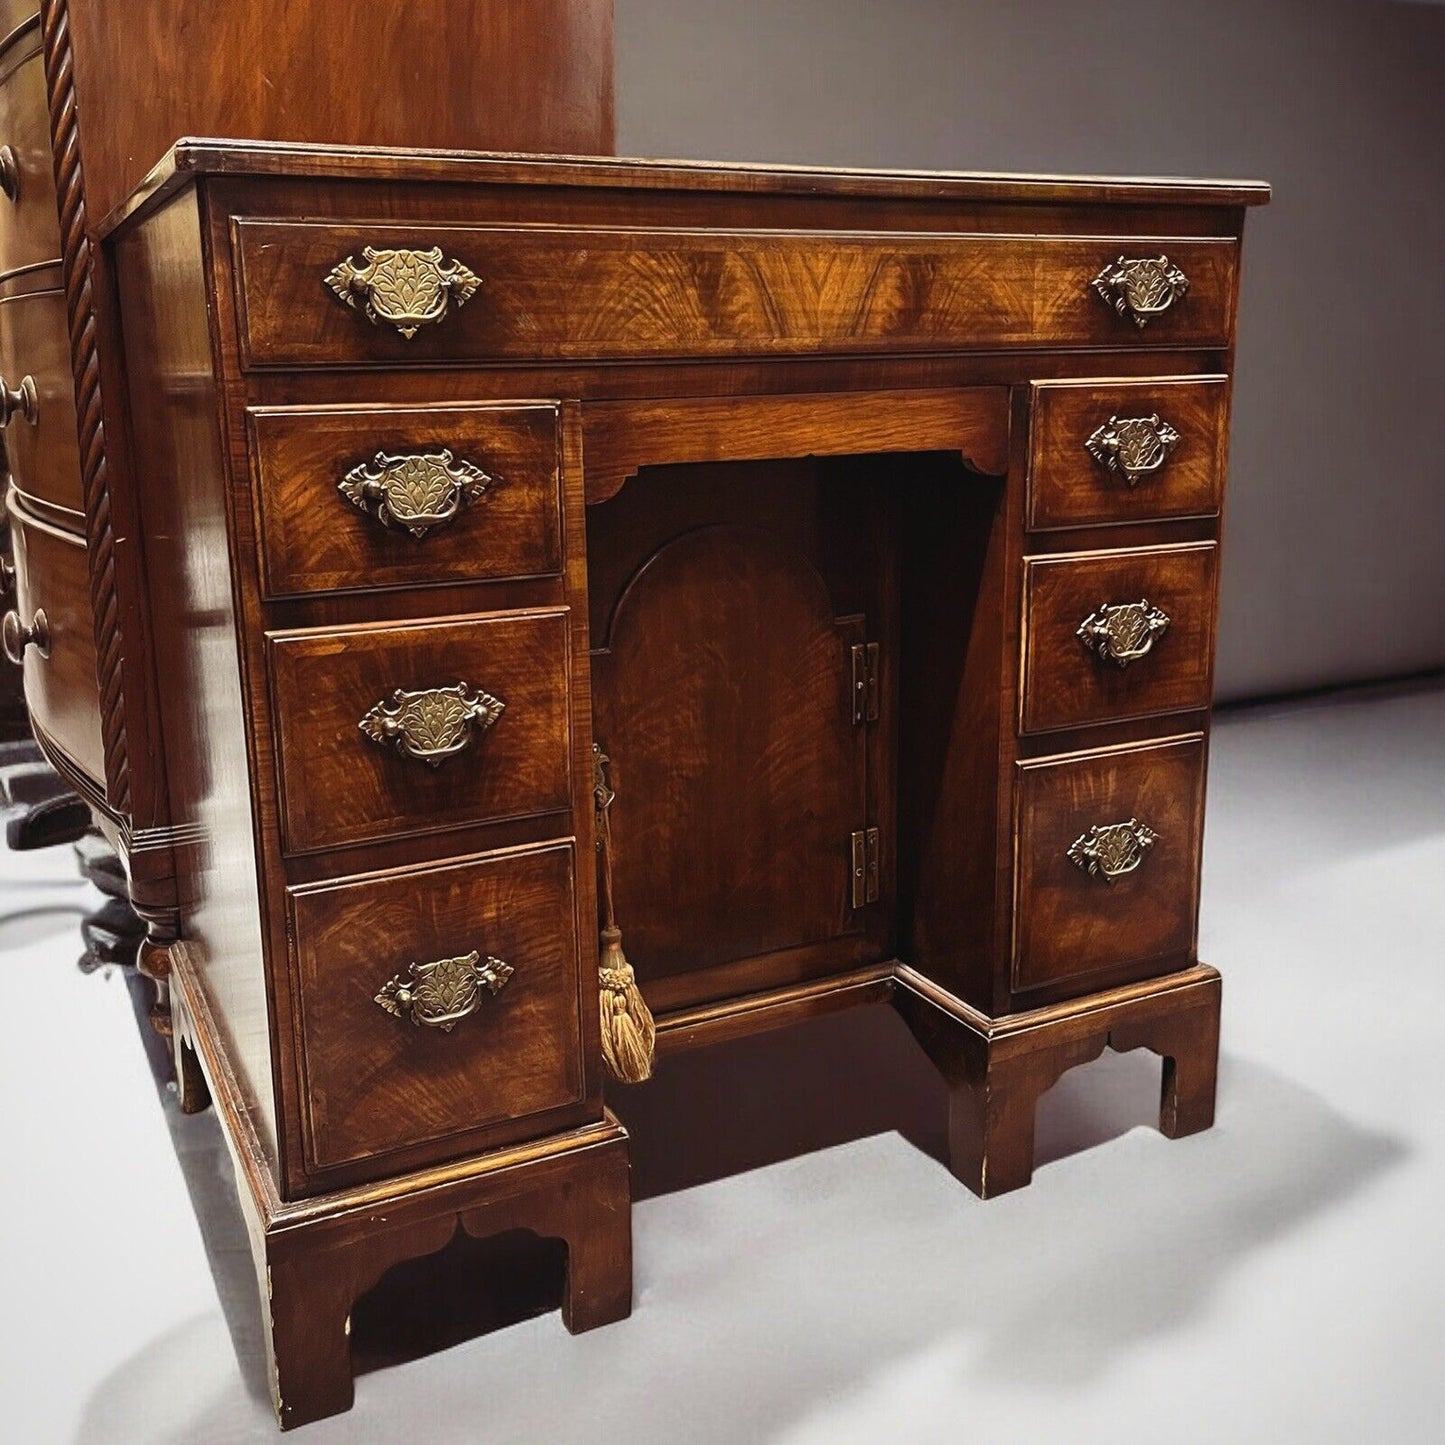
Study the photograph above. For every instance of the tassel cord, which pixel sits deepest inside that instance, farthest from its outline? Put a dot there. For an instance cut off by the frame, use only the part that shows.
(628, 1032)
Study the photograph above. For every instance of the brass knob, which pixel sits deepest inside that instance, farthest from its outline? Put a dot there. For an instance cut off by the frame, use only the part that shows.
(1141, 288)
(9, 174)
(16, 636)
(441, 994)
(24, 399)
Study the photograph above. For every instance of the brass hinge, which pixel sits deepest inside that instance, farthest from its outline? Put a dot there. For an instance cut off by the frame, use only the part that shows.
(865, 682)
(865, 867)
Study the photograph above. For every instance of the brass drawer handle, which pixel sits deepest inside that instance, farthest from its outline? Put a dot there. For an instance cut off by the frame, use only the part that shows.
(440, 995)
(1110, 850)
(1142, 288)
(432, 725)
(24, 399)
(17, 637)
(9, 174)
(416, 491)
(400, 288)
(1123, 632)
(1135, 447)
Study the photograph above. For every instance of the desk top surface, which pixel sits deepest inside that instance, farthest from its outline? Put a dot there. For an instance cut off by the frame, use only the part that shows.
(192, 157)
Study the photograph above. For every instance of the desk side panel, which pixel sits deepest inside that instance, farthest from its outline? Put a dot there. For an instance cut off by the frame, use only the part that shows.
(180, 481)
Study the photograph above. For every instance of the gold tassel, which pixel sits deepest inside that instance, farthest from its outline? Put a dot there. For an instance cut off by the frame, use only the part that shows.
(628, 1031)
(629, 1034)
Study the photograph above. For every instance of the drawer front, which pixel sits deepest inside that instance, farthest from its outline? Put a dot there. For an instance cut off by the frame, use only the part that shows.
(60, 682)
(1110, 635)
(29, 222)
(41, 446)
(394, 496)
(490, 1035)
(473, 294)
(1108, 452)
(1107, 871)
(390, 731)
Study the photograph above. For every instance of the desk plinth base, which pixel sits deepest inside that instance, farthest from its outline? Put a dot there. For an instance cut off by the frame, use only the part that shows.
(316, 1257)
(997, 1068)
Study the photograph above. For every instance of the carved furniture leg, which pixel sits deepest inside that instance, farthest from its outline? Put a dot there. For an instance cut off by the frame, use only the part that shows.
(997, 1069)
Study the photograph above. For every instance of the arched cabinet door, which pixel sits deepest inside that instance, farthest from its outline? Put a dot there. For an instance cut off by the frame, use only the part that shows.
(723, 696)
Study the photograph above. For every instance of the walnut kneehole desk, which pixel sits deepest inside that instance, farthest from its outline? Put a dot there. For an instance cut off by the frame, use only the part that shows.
(867, 523)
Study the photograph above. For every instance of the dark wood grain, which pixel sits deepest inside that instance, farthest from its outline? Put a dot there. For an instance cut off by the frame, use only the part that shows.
(376, 1082)
(29, 229)
(1068, 488)
(1068, 923)
(742, 418)
(313, 538)
(725, 695)
(339, 786)
(43, 455)
(484, 74)
(576, 294)
(622, 437)
(1066, 684)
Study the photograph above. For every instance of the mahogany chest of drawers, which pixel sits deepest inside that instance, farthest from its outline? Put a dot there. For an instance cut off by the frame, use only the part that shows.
(839, 548)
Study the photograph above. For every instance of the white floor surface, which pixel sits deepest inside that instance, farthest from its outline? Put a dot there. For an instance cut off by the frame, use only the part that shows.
(1280, 1278)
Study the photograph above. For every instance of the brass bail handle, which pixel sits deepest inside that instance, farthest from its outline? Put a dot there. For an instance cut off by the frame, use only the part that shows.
(414, 491)
(1112, 850)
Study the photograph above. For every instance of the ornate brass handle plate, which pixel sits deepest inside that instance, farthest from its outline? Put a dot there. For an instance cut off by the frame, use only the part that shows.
(1110, 850)
(9, 174)
(1123, 632)
(400, 288)
(23, 399)
(415, 491)
(1134, 447)
(1142, 288)
(441, 994)
(432, 725)
(17, 636)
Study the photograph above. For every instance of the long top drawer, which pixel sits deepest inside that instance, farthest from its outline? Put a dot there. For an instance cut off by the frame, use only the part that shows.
(319, 294)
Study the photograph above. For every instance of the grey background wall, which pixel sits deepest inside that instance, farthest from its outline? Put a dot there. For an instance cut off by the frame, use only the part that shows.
(1334, 565)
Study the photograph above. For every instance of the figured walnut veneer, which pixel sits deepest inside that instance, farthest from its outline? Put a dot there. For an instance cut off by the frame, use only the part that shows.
(787, 489)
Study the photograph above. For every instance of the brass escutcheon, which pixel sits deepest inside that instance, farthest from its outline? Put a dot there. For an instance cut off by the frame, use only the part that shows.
(439, 995)
(1134, 447)
(402, 288)
(434, 724)
(415, 491)
(1123, 632)
(1142, 288)
(1110, 850)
